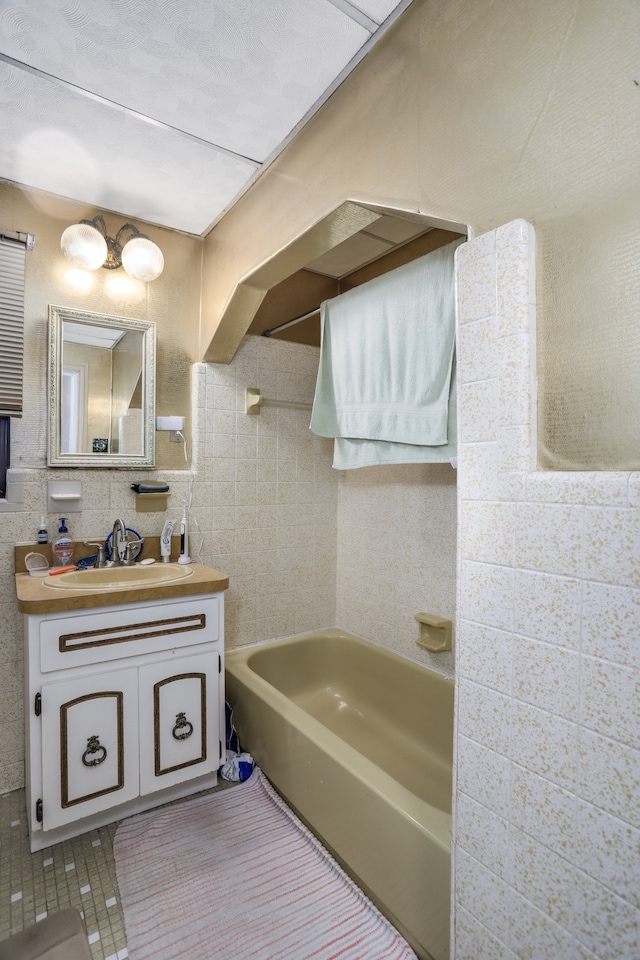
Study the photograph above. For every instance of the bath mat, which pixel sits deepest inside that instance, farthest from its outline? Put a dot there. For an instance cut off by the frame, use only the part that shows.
(236, 874)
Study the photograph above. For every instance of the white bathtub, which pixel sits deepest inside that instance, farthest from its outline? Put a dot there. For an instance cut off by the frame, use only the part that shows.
(359, 742)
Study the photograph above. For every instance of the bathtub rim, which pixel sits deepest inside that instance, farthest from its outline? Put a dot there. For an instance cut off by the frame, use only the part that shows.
(431, 820)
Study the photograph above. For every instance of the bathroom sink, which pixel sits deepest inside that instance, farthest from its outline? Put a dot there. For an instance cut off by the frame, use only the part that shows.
(117, 578)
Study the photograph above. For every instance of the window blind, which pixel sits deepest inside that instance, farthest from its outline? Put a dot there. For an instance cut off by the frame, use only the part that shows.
(12, 254)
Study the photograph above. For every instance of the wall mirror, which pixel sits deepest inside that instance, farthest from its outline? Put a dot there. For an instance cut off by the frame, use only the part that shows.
(101, 390)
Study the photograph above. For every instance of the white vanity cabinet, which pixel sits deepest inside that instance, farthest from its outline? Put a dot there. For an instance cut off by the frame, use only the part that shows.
(125, 710)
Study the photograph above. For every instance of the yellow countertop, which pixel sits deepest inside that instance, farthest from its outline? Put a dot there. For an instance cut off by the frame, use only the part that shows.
(36, 598)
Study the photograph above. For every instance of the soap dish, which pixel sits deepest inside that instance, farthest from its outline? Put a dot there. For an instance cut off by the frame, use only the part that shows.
(36, 564)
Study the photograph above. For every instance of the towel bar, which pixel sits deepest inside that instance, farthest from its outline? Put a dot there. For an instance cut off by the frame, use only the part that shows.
(253, 401)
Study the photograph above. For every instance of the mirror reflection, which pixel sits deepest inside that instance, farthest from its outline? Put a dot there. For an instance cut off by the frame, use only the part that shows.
(102, 377)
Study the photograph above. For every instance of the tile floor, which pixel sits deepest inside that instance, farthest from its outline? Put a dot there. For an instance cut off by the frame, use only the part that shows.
(78, 873)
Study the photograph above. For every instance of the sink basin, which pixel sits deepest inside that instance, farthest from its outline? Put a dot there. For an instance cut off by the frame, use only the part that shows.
(118, 578)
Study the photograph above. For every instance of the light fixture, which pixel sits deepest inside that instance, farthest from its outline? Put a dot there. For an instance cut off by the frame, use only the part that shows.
(87, 245)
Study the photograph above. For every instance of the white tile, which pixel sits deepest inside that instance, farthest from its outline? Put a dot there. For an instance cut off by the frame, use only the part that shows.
(514, 362)
(533, 934)
(546, 676)
(478, 412)
(486, 594)
(608, 925)
(610, 699)
(542, 876)
(549, 537)
(94, 937)
(514, 448)
(476, 289)
(545, 744)
(40, 916)
(590, 489)
(483, 775)
(483, 834)
(483, 715)
(85, 889)
(477, 350)
(612, 545)
(548, 607)
(608, 849)
(478, 471)
(611, 623)
(15, 897)
(609, 776)
(474, 942)
(543, 810)
(488, 532)
(482, 893)
(484, 655)
(476, 248)
(510, 235)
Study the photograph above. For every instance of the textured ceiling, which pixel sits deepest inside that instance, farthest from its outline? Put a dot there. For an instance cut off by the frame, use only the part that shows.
(164, 110)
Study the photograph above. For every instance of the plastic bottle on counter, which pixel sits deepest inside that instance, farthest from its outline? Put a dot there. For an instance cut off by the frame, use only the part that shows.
(43, 534)
(63, 546)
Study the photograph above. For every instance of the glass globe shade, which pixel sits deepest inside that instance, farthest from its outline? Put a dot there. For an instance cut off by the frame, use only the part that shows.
(84, 246)
(142, 259)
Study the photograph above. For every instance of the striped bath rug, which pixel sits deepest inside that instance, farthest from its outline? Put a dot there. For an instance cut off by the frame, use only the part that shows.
(235, 875)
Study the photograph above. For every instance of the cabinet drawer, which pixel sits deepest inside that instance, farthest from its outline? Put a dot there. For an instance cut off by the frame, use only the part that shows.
(99, 636)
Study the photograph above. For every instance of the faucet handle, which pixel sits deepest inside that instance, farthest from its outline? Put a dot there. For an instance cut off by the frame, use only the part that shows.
(100, 559)
(129, 547)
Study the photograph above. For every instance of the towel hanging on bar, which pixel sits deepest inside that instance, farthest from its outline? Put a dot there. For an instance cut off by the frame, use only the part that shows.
(387, 366)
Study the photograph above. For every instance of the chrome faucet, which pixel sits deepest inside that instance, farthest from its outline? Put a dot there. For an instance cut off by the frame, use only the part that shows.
(118, 542)
(121, 548)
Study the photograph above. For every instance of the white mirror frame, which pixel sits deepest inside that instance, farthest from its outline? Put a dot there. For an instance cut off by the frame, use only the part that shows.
(57, 316)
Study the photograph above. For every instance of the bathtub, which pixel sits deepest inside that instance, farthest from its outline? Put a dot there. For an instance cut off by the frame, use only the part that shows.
(359, 742)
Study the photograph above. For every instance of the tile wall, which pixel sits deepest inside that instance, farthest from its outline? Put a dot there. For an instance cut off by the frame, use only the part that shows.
(397, 554)
(264, 497)
(547, 821)
(267, 492)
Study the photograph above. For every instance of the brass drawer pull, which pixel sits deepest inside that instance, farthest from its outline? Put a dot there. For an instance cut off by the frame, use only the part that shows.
(181, 724)
(94, 746)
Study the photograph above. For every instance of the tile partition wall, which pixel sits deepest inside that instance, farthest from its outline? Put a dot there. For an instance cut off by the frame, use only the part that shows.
(397, 554)
(547, 823)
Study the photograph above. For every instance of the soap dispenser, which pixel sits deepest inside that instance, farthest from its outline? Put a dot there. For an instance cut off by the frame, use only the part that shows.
(63, 546)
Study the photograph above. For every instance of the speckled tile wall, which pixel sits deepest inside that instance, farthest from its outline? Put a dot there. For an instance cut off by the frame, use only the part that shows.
(397, 554)
(264, 498)
(267, 486)
(547, 816)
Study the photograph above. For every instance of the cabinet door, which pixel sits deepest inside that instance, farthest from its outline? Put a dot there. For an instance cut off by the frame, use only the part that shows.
(89, 745)
(179, 721)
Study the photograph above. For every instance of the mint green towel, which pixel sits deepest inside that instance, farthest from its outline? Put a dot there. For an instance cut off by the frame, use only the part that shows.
(386, 364)
(349, 453)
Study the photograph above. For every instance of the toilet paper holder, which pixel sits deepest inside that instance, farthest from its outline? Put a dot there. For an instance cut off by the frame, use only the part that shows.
(434, 632)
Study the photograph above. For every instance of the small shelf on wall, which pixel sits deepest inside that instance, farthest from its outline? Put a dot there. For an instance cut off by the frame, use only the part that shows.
(64, 496)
